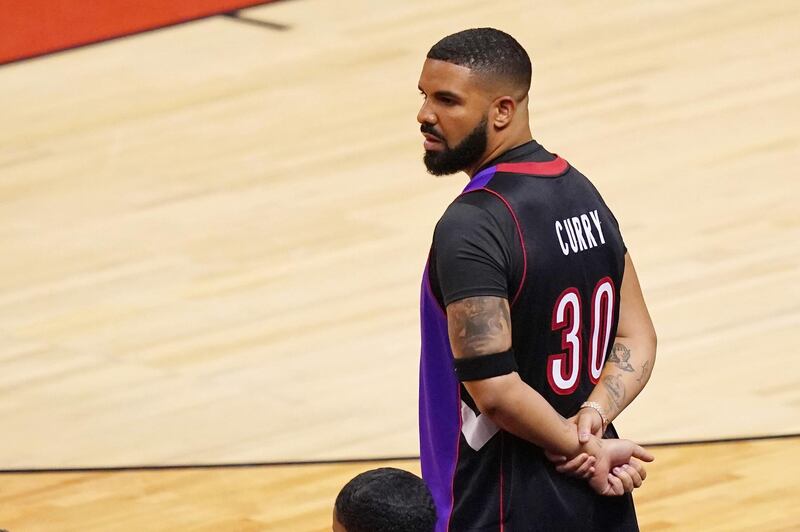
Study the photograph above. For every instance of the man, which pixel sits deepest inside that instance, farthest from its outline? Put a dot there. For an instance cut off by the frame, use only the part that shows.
(384, 500)
(530, 295)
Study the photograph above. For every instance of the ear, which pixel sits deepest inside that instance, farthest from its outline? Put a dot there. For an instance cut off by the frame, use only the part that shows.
(503, 110)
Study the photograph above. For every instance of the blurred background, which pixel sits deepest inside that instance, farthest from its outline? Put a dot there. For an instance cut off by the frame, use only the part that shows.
(213, 231)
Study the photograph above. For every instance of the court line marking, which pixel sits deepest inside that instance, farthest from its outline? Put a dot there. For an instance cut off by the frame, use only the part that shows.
(237, 16)
(342, 461)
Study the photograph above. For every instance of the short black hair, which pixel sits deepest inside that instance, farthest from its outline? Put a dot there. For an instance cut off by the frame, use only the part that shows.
(488, 51)
(386, 500)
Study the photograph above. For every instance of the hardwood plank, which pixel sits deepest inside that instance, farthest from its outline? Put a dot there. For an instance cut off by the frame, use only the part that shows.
(723, 486)
(212, 235)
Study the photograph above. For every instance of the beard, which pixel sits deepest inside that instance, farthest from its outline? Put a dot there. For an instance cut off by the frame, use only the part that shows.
(451, 160)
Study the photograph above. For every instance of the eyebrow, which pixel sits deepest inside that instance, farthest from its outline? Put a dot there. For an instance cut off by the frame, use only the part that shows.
(444, 94)
(448, 94)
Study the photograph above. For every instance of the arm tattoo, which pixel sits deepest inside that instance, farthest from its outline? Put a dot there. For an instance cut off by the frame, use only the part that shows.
(615, 389)
(646, 369)
(479, 325)
(621, 355)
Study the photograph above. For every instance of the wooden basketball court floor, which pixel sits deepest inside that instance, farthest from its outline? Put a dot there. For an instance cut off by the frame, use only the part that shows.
(212, 237)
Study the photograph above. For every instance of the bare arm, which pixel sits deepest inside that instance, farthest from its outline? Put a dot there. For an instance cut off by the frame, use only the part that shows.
(482, 326)
(630, 363)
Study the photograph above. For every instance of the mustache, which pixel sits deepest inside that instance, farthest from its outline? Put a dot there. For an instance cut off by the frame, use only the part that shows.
(429, 129)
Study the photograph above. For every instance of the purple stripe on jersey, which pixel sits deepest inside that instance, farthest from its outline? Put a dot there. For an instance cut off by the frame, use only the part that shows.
(480, 179)
(439, 412)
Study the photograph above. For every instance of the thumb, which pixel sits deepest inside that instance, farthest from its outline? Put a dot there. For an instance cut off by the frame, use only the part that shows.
(584, 428)
(642, 454)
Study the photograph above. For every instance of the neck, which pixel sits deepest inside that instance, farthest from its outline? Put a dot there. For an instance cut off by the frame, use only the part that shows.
(509, 143)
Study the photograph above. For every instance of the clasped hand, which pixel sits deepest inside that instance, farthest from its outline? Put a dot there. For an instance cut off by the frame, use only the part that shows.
(610, 466)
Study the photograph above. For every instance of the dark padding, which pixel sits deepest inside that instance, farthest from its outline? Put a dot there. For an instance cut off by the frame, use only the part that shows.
(485, 366)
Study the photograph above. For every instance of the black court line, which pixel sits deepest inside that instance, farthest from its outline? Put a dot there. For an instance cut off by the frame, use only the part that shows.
(236, 15)
(341, 461)
(738, 439)
(232, 14)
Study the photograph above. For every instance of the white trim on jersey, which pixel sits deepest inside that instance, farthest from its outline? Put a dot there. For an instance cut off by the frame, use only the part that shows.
(477, 430)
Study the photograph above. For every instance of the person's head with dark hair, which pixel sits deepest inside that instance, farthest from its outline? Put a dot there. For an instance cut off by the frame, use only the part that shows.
(490, 53)
(384, 500)
(475, 84)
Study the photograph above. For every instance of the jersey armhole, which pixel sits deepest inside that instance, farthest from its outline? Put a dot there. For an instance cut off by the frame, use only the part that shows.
(521, 241)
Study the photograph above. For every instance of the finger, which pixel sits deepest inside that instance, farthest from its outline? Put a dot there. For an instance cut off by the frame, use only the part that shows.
(555, 458)
(634, 474)
(639, 467)
(624, 477)
(615, 486)
(573, 465)
(586, 467)
(589, 472)
(642, 454)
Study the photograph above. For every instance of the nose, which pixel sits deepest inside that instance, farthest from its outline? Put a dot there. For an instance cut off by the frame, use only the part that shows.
(425, 115)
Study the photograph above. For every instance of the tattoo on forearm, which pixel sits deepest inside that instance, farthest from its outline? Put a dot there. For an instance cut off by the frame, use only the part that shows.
(646, 369)
(478, 324)
(615, 389)
(621, 355)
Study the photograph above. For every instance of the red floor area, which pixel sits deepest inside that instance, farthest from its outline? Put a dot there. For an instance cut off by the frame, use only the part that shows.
(36, 27)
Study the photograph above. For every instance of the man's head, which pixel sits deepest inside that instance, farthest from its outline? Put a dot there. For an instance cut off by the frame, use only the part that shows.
(475, 84)
(384, 500)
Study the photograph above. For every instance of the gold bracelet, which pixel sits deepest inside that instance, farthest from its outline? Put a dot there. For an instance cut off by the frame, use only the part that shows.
(599, 409)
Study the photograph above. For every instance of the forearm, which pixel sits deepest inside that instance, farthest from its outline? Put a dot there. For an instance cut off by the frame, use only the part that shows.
(517, 408)
(625, 373)
(481, 326)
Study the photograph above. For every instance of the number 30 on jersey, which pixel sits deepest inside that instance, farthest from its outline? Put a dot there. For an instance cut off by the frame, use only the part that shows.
(563, 369)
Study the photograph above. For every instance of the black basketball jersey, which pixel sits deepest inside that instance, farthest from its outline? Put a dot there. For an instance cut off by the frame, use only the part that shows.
(534, 230)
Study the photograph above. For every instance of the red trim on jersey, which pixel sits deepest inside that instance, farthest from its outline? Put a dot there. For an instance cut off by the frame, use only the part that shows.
(455, 464)
(552, 168)
(429, 286)
(502, 448)
(521, 242)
